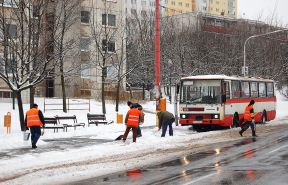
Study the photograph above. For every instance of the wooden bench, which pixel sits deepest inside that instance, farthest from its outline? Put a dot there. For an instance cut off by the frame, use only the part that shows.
(97, 119)
(51, 123)
(69, 121)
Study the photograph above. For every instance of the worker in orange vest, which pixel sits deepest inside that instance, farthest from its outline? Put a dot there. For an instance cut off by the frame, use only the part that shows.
(34, 121)
(132, 120)
(249, 119)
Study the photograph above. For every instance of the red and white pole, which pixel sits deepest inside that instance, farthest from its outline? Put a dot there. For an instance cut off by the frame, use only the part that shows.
(157, 55)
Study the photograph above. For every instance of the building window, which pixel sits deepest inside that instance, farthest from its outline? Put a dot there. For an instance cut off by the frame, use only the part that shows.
(143, 3)
(133, 12)
(217, 9)
(173, 3)
(217, 2)
(85, 70)
(111, 72)
(180, 4)
(36, 11)
(110, 46)
(5, 94)
(85, 92)
(187, 4)
(144, 13)
(211, 1)
(85, 16)
(111, 19)
(11, 30)
(84, 43)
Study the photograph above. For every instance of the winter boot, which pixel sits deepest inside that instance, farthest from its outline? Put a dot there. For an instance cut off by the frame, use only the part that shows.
(241, 132)
(254, 134)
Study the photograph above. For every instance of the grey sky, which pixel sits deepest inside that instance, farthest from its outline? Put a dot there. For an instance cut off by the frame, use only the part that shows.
(252, 9)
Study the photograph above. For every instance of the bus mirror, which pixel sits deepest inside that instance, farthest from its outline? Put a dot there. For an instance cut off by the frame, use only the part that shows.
(177, 88)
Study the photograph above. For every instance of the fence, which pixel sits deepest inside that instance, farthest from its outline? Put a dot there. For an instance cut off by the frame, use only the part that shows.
(72, 104)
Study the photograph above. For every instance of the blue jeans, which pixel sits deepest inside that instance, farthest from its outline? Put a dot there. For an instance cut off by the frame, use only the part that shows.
(35, 134)
(139, 133)
(164, 128)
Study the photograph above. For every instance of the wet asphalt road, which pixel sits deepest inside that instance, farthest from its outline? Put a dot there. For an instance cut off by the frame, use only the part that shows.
(260, 161)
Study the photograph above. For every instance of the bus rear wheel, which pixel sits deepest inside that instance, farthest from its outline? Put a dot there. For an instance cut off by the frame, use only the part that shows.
(235, 122)
(264, 117)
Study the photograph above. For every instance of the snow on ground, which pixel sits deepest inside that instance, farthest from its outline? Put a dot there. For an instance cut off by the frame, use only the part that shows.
(76, 163)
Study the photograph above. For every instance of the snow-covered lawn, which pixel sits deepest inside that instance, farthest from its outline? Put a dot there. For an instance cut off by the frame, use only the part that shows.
(75, 163)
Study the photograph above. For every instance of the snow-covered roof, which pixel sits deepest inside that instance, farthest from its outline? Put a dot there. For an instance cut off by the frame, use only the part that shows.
(224, 77)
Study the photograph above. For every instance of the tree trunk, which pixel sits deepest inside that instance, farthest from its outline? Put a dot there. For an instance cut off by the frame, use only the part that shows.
(21, 112)
(143, 91)
(63, 92)
(103, 91)
(31, 94)
(117, 95)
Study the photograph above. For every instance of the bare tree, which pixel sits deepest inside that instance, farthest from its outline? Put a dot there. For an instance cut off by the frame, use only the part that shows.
(25, 61)
(68, 12)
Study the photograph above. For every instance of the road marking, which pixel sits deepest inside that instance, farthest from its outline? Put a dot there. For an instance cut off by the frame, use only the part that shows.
(200, 179)
(277, 149)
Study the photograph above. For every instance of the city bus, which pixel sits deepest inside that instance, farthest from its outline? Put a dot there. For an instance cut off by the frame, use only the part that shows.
(219, 100)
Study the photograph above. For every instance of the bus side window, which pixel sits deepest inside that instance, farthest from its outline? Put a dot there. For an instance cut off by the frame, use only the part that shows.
(262, 89)
(245, 87)
(270, 90)
(235, 88)
(227, 90)
(254, 89)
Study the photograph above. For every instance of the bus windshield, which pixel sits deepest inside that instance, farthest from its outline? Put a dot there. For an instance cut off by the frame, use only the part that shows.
(201, 92)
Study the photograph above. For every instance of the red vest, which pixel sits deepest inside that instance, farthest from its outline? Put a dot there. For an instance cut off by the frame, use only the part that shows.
(33, 118)
(133, 118)
(247, 115)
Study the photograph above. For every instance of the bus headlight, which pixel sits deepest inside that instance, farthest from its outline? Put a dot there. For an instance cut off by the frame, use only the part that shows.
(183, 116)
(216, 116)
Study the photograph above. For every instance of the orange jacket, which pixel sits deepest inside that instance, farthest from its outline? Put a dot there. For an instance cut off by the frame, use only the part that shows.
(33, 118)
(249, 113)
(133, 117)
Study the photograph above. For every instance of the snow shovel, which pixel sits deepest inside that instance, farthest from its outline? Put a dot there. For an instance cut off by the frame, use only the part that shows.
(119, 137)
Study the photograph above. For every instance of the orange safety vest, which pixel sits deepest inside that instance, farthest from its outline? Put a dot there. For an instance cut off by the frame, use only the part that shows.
(33, 118)
(133, 118)
(248, 116)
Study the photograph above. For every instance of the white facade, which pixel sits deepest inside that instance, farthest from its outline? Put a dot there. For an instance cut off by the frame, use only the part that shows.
(142, 7)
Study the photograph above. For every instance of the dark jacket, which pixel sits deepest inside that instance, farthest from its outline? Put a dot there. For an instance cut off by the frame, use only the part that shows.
(41, 117)
(165, 116)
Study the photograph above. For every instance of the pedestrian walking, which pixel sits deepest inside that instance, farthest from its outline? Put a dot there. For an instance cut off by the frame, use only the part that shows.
(249, 119)
(34, 120)
(165, 120)
(132, 120)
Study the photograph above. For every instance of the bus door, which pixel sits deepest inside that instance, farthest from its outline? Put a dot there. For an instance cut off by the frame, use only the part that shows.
(226, 89)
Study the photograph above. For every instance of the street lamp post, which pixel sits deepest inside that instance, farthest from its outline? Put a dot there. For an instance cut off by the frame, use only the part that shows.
(245, 69)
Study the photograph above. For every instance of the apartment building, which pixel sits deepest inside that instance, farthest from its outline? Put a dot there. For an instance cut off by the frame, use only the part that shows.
(99, 46)
(8, 8)
(227, 8)
(97, 49)
(175, 7)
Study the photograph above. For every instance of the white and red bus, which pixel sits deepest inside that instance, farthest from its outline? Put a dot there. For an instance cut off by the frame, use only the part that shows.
(209, 100)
